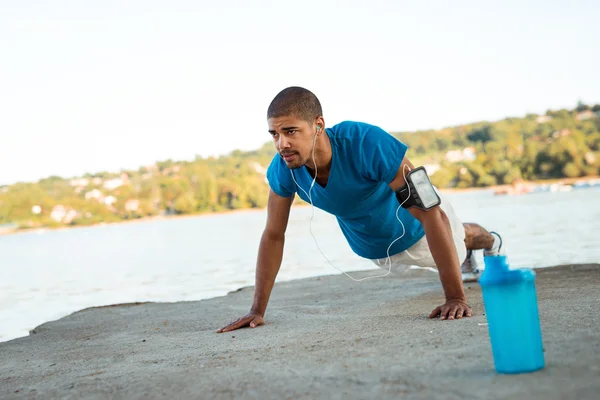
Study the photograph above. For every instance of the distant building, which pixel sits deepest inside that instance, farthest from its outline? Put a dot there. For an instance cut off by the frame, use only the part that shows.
(110, 200)
(58, 213)
(587, 114)
(590, 157)
(431, 168)
(543, 119)
(258, 168)
(150, 168)
(79, 182)
(111, 184)
(466, 154)
(61, 214)
(71, 214)
(93, 194)
(561, 133)
(132, 205)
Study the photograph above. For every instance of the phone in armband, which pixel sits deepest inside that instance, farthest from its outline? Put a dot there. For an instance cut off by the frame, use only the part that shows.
(418, 192)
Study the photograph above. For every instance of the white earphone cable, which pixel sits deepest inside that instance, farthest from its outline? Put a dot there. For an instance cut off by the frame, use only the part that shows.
(388, 261)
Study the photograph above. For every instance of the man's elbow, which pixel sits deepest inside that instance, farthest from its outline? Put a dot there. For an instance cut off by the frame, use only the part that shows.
(429, 217)
(273, 235)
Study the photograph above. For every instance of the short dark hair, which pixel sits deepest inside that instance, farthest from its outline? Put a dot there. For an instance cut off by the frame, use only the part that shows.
(295, 101)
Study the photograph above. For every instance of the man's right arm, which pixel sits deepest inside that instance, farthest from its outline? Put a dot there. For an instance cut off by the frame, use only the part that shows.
(270, 255)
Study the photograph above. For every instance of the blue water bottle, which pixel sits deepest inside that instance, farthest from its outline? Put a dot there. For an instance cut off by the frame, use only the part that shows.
(510, 302)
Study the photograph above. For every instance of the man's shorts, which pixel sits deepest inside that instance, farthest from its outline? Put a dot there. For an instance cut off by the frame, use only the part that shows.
(419, 254)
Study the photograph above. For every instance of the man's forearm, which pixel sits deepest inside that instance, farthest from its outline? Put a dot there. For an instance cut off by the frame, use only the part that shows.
(270, 254)
(439, 237)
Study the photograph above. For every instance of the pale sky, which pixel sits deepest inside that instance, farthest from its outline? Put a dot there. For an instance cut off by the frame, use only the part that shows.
(88, 86)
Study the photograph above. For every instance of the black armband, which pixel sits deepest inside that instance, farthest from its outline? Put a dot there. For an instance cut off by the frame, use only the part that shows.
(418, 191)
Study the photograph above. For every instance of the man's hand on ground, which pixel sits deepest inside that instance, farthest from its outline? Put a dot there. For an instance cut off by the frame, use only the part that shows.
(251, 319)
(452, 309)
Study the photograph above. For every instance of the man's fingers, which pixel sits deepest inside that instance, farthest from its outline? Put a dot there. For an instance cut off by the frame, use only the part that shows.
(464, 312)
(460, 311)
(436, 311)
(452, 311)
(230, 326)
(445, 314)
(256, 322)
(235, 325)
(252, 320)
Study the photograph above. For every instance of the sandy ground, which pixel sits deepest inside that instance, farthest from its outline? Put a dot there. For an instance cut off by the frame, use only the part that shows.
(325, 338)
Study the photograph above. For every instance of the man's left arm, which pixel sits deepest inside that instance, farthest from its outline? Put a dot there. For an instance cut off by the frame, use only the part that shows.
(441, 244)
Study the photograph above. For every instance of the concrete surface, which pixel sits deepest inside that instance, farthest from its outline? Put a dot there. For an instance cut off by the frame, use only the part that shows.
(324, 338)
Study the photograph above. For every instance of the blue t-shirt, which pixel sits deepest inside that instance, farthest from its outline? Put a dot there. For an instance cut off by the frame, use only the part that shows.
(365, 159)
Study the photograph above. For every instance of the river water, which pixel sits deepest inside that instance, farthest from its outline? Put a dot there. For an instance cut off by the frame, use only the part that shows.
(47, 275)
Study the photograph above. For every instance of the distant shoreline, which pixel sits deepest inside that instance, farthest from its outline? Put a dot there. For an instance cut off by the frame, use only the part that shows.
(136, 220)
(565, 181)
(252, 210)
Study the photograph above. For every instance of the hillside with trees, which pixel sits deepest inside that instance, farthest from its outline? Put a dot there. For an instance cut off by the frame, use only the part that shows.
(559, 144)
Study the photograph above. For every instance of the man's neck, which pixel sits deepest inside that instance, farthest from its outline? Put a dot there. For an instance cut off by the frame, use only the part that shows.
(323, 157)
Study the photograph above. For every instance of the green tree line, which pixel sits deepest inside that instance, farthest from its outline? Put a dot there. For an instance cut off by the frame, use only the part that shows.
(561, 143)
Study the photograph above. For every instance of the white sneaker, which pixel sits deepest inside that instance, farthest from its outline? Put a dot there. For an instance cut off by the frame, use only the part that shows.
(496, 249)
(470, 270)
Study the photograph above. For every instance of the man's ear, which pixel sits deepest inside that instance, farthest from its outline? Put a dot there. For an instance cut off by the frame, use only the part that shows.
(320, 122)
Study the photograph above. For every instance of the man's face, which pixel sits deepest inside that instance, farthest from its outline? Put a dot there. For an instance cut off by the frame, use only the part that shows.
(294, 139)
